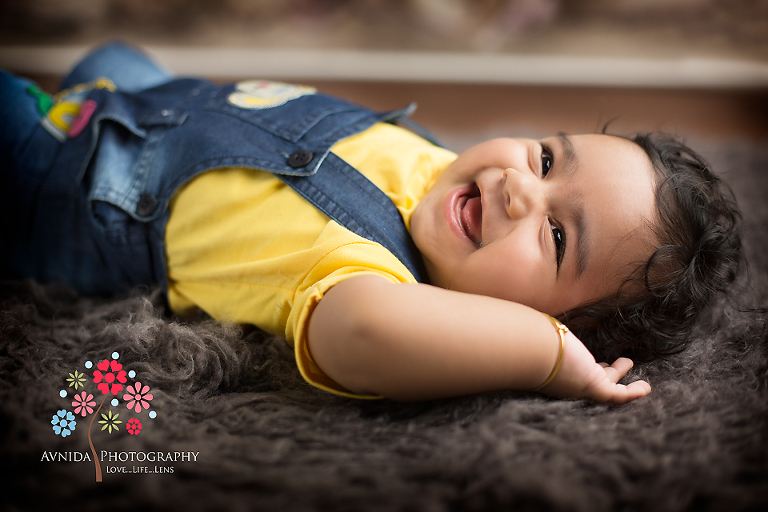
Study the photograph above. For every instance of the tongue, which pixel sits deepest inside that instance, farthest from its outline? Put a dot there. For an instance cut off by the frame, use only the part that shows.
(472, 219)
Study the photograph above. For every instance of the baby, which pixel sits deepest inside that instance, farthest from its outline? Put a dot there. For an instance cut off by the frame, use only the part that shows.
(393, 266)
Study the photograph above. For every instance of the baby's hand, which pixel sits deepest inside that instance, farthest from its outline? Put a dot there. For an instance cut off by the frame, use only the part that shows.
(580, 376)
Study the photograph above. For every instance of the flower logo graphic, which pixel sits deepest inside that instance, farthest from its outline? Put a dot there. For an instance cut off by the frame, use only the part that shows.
(138, 397)
(106, 379)
(77, 380)
(110, 379)
(110, 422)
(63, 423)
(83, 404)
(133, 426)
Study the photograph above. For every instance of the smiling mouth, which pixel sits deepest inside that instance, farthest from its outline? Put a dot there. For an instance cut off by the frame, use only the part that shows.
(469, 212)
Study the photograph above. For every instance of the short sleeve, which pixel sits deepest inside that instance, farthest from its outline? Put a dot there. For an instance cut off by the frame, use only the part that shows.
(344, 262)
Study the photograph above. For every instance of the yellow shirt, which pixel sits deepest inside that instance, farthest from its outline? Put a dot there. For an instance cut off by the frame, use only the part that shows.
(244, 247)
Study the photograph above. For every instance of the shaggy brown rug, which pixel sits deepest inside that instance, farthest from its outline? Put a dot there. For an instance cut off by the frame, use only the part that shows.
(237, 429)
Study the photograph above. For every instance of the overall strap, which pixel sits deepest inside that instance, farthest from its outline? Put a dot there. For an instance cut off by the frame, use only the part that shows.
(342, 193)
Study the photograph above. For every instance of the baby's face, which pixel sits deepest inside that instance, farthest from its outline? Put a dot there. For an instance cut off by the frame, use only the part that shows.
(551, 224)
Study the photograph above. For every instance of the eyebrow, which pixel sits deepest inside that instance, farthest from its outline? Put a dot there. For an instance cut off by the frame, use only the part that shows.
(570, 166)
(581, 246)
(571, 163)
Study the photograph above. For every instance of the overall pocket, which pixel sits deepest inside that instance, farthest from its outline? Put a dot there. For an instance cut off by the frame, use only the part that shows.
(117, 176)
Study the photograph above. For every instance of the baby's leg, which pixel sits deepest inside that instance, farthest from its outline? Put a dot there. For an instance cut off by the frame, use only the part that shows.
(129, 69)
(26, 154)
(21, 107)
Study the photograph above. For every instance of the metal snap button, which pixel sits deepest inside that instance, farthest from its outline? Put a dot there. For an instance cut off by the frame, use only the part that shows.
(166, 113)
(147, 205)
(300, 158)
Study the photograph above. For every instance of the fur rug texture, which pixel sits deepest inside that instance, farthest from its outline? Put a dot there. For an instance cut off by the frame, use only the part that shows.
(262, 439)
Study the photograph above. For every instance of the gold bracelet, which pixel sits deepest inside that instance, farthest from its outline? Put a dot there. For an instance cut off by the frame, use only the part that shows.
(561, 331)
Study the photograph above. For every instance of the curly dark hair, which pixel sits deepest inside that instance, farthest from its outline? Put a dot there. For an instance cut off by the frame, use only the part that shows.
(698, 254)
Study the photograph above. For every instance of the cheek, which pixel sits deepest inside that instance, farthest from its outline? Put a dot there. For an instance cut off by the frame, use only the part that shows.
(515, 273)
(425, 221)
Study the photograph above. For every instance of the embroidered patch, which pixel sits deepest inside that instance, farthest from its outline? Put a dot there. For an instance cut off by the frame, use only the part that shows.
(260, 94)
(43, 100)
(81, 121)
(60, 118)
(81, 89)
(66, 108)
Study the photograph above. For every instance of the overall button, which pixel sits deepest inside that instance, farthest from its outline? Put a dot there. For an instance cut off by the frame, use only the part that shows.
(300, 158)
(146, 206)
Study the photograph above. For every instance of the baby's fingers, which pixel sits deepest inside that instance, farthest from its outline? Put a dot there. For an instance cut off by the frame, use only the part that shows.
(632, 391)
(618, 369)
(637, 389)
(618, 394)
(608, 390)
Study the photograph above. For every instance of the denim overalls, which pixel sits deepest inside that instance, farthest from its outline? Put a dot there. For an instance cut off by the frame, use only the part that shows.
(92, 210)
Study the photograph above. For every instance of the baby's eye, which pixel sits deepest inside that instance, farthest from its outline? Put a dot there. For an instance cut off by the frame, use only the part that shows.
(546, 161)
(559, 237)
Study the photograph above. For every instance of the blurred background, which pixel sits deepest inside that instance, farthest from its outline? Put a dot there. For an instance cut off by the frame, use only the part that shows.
(477, 68)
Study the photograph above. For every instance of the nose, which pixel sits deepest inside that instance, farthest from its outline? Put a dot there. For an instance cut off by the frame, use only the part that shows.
(523, 193)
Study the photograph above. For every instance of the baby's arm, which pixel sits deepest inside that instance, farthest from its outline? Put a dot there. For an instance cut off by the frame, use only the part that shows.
(416, 342)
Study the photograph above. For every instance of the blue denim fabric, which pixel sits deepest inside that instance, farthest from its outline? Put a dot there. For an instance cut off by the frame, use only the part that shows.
(27, 152)
(128, 68)
(59, 240)
(100, 214)
(20, 115)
